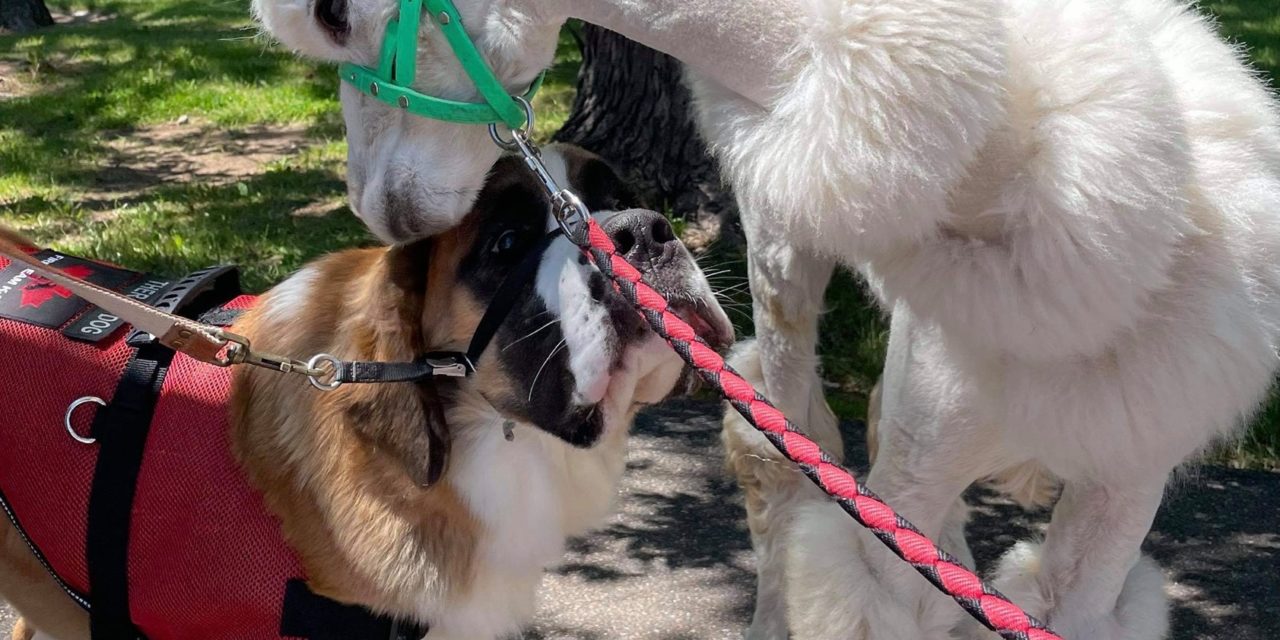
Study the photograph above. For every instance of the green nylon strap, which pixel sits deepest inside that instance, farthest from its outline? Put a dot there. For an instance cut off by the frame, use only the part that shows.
(406, 48)
(391, 83)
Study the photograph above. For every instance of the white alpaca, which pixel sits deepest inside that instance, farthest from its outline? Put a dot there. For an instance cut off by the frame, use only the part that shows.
(1072, 208)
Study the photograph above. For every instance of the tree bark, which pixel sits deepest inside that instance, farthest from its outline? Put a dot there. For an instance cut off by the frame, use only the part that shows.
(633, 109)
(24, 15)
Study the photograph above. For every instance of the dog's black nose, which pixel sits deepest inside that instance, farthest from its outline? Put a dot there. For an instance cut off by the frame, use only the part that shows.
(332, 15)
(641, 236)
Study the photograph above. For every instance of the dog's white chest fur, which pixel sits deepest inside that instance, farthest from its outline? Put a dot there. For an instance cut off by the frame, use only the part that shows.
(529, 494)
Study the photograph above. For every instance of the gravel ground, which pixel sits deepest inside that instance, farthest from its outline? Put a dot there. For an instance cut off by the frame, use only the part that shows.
(676, 564)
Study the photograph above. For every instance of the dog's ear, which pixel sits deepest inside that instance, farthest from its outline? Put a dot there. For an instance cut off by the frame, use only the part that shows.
(596, 182)
(403, 420)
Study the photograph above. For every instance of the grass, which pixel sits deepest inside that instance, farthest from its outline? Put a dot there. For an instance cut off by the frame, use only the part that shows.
(1254, 24)
(155, 61)
(151, 63)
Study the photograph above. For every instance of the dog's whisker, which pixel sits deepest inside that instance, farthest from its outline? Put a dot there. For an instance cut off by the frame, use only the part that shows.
(537, 315)
(546, 362)
(531, 334)
(715, 273)
(733, 288)
(728, 277)
(727, 301)
(746, 316)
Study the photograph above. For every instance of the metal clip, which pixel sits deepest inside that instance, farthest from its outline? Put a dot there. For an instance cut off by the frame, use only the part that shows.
(449, 368)
(570, 213)
(239, 351)
(325, 366)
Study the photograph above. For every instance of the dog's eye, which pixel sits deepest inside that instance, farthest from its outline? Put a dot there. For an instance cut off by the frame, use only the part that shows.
(506, 242)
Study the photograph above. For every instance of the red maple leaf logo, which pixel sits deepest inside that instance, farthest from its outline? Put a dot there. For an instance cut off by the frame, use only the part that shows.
(39, 290)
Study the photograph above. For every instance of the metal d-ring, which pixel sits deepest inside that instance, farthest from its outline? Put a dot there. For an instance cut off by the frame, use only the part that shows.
(513, 144)
(66, 420)
(334, 363)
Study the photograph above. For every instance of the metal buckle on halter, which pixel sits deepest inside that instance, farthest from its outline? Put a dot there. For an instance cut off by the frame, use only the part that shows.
(449, 365)
(570, 213)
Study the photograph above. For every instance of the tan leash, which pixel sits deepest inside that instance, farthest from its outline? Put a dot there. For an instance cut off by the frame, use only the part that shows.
(202, 342)
(222, 348)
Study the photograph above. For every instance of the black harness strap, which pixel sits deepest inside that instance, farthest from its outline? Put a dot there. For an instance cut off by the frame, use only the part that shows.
(505, 299)
(121, 430)
(221, 317)
(315, 617)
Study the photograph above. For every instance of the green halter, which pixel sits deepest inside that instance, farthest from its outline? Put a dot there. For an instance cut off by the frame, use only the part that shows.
(397, 66)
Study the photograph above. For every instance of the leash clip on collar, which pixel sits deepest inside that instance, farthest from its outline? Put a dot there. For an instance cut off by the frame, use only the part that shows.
(332, 372)
(327, 372)
(391, 83)
(566, 206)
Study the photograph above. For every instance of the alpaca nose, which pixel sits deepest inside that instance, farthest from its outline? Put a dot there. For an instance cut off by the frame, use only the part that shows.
(641, 236)
(332, 15)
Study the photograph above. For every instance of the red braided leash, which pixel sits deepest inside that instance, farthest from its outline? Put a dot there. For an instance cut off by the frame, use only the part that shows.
(983, 602)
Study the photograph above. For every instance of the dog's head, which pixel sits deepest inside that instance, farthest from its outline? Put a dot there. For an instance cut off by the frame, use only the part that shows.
(572, 358)
(573, 354)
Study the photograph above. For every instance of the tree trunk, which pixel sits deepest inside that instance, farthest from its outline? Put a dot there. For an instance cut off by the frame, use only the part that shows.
(633, 109)
(24, 15)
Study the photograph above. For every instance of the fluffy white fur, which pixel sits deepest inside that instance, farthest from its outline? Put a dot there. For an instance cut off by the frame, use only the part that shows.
(586, 325)
(398, 162)
(775, 492)
(565, 491)
(1070, 206)
(813, 559)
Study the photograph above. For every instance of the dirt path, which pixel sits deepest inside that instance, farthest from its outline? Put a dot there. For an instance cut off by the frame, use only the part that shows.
(187, 151)
(675, 563)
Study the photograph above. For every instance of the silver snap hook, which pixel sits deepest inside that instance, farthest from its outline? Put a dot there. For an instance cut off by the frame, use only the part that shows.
(66, 420)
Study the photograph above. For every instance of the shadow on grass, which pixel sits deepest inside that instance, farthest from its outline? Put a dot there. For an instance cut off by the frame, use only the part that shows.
(144, 66)
(176, 229)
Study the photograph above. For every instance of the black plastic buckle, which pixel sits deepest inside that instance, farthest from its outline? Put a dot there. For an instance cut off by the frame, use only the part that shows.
(194, 295)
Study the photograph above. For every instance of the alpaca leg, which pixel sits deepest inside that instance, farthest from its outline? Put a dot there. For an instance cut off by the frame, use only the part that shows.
(773, 488)
(1089, 579)
(931, 447)
(832, 591)
(787, 286)
(953, 537)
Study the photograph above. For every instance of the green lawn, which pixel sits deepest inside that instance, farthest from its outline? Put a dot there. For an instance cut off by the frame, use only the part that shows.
(84, 87)
(151, 63)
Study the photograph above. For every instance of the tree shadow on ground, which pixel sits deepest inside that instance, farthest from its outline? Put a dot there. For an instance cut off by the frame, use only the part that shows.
(1216, 536)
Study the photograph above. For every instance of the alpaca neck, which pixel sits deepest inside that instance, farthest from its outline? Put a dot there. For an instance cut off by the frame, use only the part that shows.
(737, 43)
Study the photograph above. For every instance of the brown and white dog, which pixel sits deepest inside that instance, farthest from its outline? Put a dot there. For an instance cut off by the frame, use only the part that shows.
(351, 474)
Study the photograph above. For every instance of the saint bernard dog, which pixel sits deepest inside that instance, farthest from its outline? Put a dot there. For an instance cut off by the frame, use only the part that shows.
(446, 512)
